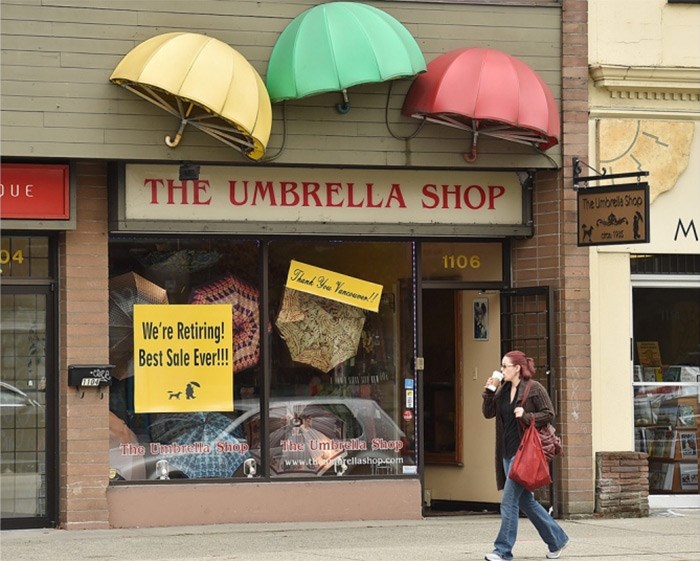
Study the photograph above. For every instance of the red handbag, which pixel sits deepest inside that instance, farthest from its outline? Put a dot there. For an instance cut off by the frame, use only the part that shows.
(530, 468)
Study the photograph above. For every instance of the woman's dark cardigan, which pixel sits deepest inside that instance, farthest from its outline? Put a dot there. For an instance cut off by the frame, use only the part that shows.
(538, 402)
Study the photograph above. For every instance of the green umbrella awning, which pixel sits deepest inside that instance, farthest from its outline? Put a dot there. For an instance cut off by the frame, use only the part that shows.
(334, 46)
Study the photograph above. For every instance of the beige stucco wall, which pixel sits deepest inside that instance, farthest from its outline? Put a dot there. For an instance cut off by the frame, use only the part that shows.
(611, 312)
(643, 33)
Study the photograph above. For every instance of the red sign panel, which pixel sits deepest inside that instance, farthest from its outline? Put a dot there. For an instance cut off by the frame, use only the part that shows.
(34, 191)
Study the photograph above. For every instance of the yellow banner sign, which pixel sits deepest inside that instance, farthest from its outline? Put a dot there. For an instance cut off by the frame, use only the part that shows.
(183, 358)
(334, 286)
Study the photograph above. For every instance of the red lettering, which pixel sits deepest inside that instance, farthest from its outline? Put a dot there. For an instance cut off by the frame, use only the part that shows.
(351, 197)
(232, 193)
(262, 190)
(290, 197)
(495, 192)
(447, 192)
(429, 192)
(332, 189)
(153, 184)
(481, 194)
(370, 202)
(310, 189)
(200, 185)
(397, 195)
(172, 187)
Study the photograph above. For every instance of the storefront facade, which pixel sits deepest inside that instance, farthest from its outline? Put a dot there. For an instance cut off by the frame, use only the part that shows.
(644, 297)
(311, 330)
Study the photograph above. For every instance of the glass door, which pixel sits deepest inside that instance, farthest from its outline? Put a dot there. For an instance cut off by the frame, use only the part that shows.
(26, 496)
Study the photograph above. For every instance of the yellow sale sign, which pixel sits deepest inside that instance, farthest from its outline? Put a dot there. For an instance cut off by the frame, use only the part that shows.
(334, 286)
(183, 358)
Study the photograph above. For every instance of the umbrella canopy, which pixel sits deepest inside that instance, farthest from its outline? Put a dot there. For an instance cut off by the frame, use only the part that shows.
(203, 82)
(125, 291)
(199, 429)
(319, 332)
(245, 300)
(334, 46)
(183, 260)
(301, 438)
(488, 92)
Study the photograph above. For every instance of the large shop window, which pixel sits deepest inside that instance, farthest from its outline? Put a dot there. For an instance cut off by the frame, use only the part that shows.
(666, 380)
(189, 396)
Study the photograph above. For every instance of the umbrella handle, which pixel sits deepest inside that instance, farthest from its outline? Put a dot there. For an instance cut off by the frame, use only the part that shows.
(178, 136)
(344, 106)
(472, 155)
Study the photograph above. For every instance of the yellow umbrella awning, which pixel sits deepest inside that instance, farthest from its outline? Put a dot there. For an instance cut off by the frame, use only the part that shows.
(204, 82)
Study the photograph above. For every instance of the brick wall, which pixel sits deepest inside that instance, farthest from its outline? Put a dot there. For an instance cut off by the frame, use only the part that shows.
(552, 258)
(622, 484)
(84, 333)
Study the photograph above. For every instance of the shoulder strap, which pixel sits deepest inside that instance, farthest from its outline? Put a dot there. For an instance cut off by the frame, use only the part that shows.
(527, 391)
(522, 404)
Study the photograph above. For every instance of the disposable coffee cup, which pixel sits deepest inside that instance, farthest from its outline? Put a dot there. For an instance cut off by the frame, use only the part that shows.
(498, 375)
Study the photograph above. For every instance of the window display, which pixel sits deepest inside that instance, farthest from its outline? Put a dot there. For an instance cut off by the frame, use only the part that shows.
(666, 386)
(339, 354)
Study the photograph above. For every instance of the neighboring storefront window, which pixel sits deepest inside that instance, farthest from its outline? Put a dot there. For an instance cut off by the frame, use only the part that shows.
(338, 373)
(666, 382)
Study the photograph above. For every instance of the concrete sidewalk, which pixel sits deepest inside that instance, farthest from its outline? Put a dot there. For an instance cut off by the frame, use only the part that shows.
(671, 535)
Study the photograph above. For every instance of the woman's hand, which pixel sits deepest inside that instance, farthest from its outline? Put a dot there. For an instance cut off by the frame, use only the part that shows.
(519, 411)
(493, 383)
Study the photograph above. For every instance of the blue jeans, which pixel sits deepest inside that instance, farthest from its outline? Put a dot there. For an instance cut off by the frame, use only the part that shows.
(516, 498)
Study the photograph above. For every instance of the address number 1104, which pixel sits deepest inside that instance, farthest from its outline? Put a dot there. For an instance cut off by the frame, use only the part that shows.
(461, 262)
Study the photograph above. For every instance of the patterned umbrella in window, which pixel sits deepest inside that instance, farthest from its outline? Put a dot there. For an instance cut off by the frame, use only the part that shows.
(319, 332)
(215, 451)
(245, 300)
(302, 437)
(125, 291)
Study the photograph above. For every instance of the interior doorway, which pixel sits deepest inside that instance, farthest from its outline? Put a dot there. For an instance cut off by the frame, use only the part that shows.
(465, 334)
(461, 347)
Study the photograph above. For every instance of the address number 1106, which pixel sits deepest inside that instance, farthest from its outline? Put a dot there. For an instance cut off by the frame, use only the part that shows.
(461, 262)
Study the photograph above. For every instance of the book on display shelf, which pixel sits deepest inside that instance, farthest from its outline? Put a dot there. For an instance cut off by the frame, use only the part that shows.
(663, 443)
(661, 476)
(643, 413)
(686, 415)
(667, 415)
(688, 445)
(688, 476)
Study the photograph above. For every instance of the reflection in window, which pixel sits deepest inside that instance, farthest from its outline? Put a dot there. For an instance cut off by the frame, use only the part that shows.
(337, 382)
(182, 443)
(337, 400)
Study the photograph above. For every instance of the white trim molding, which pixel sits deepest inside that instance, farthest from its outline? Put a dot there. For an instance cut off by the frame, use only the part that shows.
(648, 82)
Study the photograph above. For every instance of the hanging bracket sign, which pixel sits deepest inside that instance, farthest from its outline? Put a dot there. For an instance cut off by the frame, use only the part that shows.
(616, 214)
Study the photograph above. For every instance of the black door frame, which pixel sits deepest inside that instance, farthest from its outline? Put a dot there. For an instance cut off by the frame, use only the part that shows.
(45, 288)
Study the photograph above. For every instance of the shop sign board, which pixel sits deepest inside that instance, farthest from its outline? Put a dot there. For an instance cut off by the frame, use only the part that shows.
(34, 192)
(616, 214)
(322, 195)
(183, 358)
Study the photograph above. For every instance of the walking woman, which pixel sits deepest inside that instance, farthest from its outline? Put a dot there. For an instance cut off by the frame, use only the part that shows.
(505, 404)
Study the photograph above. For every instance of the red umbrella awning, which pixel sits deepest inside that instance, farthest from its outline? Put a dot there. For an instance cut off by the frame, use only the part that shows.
(488, 92)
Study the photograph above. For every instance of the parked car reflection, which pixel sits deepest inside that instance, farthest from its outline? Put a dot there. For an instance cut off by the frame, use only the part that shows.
(308, 437)
(22, 440)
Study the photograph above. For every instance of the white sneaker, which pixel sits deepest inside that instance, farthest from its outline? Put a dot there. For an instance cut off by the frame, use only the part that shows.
(493, 557)
(556, 554)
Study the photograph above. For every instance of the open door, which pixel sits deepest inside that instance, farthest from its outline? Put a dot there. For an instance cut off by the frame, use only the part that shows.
(526, 325)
